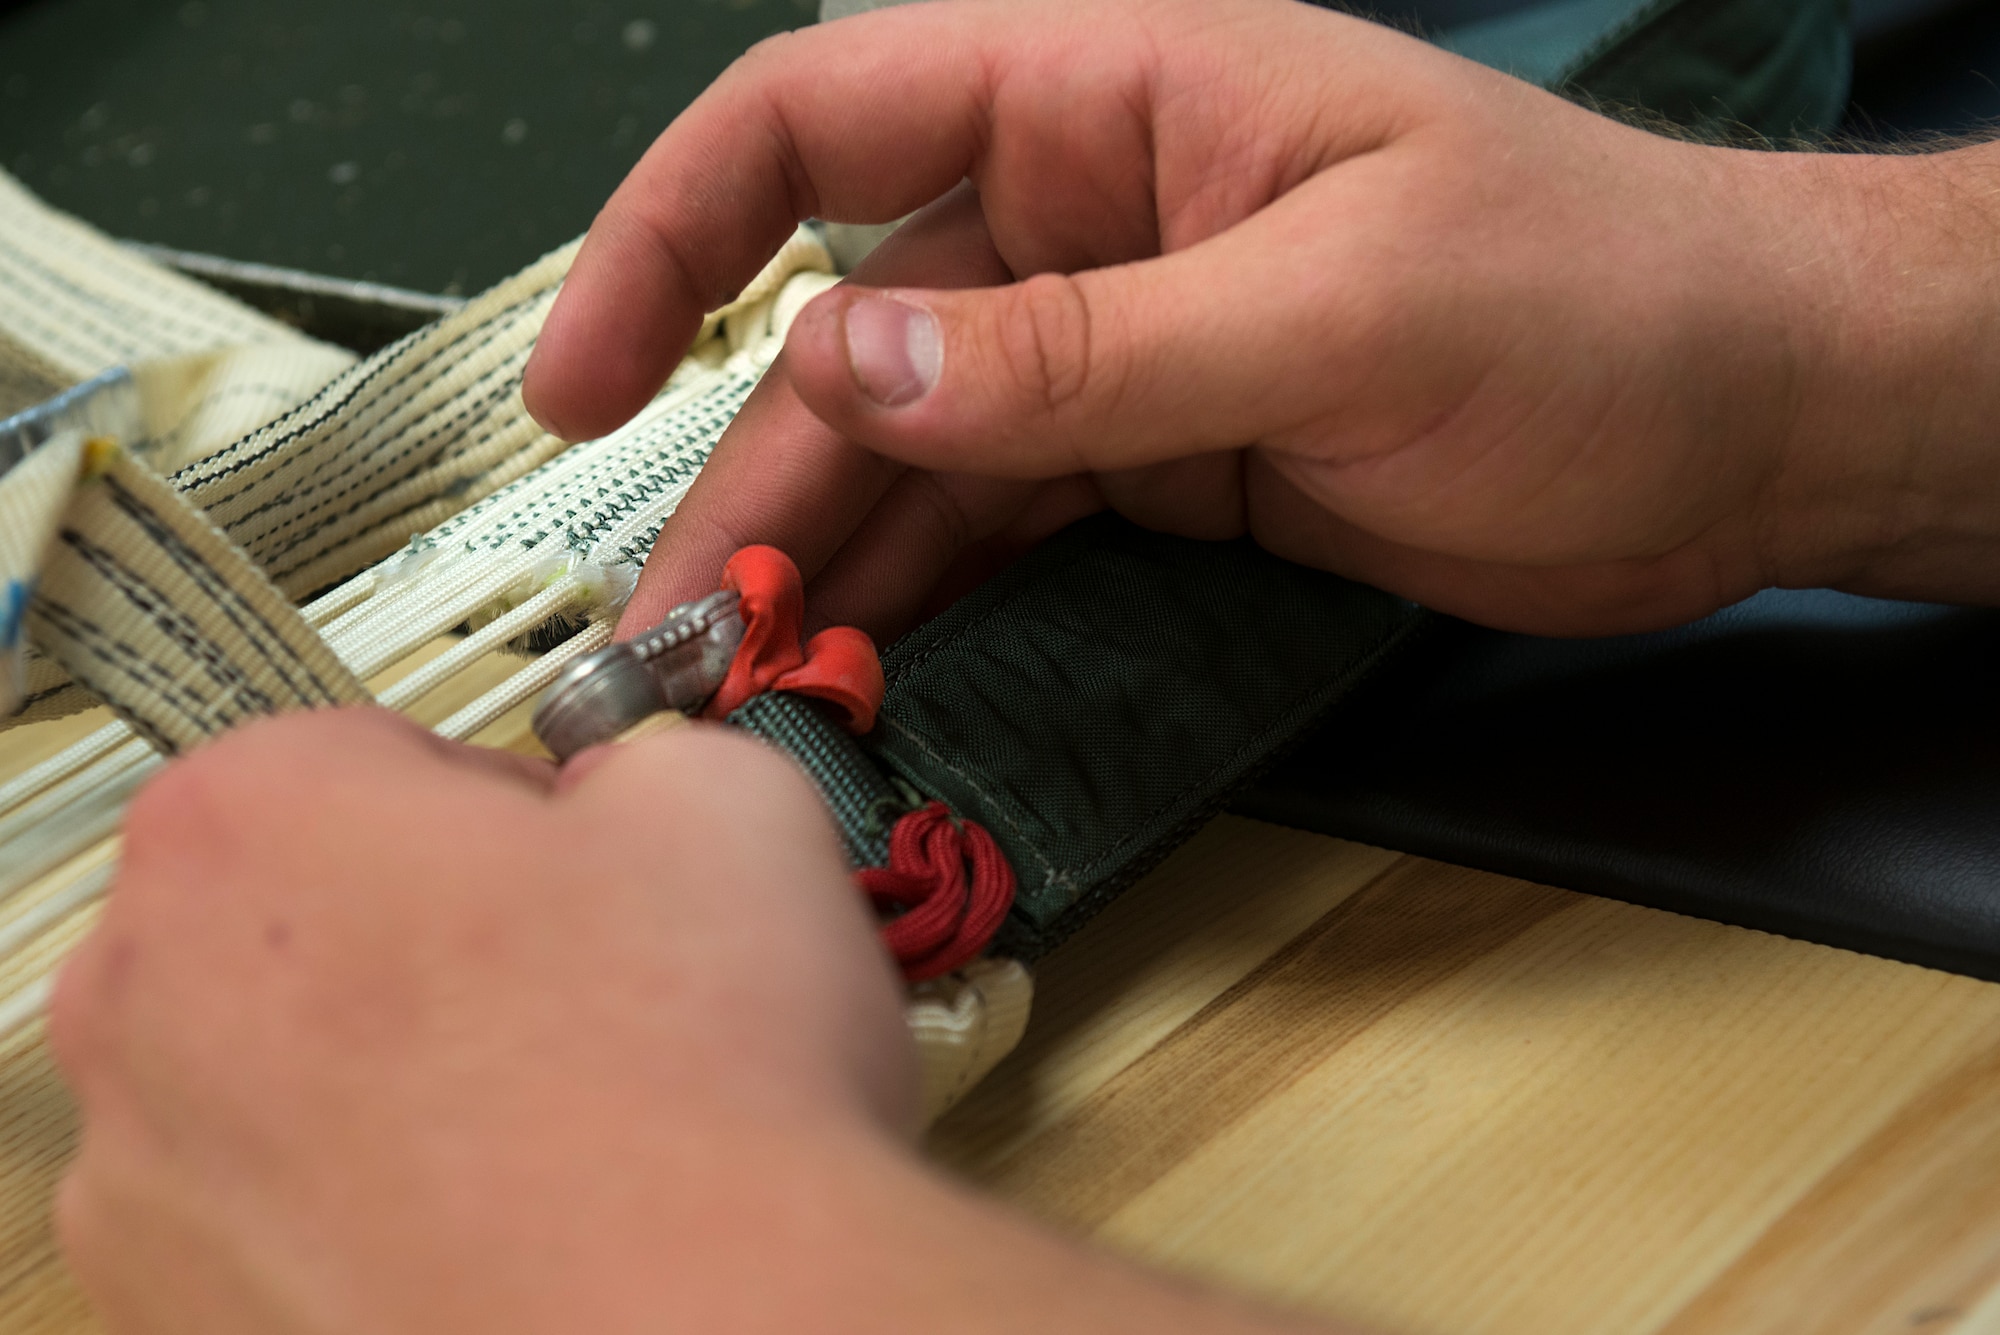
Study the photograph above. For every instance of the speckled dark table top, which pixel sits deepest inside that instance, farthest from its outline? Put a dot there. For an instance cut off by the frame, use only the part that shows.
(441, 144)
(438, 145)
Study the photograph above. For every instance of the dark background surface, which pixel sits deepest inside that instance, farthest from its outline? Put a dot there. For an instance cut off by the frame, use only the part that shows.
(439, 146)
(1805, 762)
(1939, 76)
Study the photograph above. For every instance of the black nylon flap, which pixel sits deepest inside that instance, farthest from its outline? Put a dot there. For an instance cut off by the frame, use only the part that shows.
(1093, 705)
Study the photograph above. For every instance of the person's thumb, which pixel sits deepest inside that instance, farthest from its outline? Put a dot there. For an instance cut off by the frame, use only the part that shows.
(1061, 373)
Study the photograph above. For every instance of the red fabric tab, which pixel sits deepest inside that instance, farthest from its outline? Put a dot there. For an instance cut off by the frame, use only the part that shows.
(838, 665)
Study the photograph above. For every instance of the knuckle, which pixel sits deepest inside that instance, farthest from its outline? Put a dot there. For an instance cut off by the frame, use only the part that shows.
(684, 762)
(1049, 344)
(194, 809)
(705, 777)
(730, 764)
(369, 731)
(737, 758)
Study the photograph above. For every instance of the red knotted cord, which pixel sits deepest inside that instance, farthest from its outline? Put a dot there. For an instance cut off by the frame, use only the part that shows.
(948, 918)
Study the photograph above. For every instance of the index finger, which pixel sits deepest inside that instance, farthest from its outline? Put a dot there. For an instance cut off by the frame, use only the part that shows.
(859, 121)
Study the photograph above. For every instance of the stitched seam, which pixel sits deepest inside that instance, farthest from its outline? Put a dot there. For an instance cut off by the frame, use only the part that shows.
(1005, 807)
(128, 662)
(179, 629)
(335, 400)
(271, 643)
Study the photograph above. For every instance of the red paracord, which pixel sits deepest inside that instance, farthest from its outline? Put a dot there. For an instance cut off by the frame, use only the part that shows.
(947, 919)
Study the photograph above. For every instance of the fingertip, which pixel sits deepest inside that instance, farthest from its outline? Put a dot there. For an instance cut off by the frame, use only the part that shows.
(683, 765)
(864, 360)
(543, 402)
(575, 394)
(579, 767)
(623, 319)
(816, 350)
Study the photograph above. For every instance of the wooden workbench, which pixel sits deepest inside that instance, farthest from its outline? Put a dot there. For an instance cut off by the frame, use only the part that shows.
(1440, 1100)
(1436, 1100)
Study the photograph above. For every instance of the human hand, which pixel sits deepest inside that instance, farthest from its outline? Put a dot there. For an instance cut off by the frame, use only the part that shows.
(1254, 266)
(414, 1037)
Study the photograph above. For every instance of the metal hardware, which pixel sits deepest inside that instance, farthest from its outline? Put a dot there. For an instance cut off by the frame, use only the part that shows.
(677, 664)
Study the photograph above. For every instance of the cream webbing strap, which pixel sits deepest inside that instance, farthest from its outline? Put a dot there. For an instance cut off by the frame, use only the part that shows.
(74, 303)
(155, 612)
(380, 454)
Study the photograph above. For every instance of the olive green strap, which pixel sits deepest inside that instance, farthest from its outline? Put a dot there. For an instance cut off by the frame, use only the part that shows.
(863, 801)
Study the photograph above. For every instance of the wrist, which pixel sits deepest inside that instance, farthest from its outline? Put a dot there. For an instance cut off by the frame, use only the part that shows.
(1887, 483)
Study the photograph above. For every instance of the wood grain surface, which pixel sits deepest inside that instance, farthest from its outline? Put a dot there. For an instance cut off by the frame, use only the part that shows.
(1430, 1100)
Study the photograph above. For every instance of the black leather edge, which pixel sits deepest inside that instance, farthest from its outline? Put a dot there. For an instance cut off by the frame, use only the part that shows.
(1807, 763)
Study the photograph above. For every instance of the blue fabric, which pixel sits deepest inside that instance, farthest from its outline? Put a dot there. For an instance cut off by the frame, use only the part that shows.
(1542, 43)
(1773, 68)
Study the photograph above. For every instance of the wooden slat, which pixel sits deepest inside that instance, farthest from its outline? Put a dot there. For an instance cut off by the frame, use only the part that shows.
(37, 1137)
(1380, 948)
(1145, 967)
(1903, 1234)
(1461, 1103)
